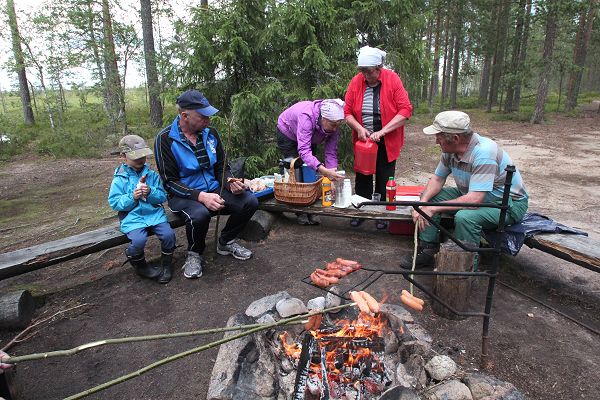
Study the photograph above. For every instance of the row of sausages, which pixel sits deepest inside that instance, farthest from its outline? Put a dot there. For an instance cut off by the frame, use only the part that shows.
(333, 272)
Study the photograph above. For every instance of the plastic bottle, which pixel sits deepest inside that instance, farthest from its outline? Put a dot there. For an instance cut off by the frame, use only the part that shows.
(326, 193)
(390, 189)
(347, 193)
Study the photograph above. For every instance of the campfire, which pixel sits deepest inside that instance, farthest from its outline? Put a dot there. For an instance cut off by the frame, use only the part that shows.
(346, 356)
(342, 361)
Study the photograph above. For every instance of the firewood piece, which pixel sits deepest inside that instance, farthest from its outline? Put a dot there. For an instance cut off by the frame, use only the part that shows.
(16, 309)
(259, 226)
(454, 290)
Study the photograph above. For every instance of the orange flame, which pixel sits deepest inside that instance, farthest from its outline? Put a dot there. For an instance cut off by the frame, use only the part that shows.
(365, 327)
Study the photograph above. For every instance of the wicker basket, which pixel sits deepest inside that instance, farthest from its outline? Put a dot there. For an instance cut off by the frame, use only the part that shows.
(296, 193)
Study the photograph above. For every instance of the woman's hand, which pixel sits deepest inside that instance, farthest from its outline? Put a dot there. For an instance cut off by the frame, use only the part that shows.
(376, 136)
(331, 173)
(363, 134)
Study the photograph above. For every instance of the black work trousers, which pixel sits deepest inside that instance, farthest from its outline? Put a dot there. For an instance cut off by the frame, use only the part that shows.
(240, 207)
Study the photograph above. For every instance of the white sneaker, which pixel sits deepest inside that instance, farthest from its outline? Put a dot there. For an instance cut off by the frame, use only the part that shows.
(192, 268)
(235, 249)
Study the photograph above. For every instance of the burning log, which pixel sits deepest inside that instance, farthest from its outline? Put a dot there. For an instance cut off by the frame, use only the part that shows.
(303, 367)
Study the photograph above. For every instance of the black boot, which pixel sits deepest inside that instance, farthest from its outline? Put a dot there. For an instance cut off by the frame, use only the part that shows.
(166, 260)
(424, 259)
(142, 268)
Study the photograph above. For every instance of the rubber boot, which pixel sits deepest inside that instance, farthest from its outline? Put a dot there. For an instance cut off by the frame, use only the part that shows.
(166, 260)
(424, 259)
(142, 268)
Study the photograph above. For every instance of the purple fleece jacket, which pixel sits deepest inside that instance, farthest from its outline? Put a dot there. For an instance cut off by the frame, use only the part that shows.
(301, 124)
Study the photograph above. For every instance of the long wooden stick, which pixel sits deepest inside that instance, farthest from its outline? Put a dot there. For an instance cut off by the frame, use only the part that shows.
(131, 339)
(199, 349)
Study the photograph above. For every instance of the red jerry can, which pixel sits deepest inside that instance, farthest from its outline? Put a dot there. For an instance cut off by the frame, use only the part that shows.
(365, 157)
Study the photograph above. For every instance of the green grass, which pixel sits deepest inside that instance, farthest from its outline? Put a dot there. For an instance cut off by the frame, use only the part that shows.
(82, 130)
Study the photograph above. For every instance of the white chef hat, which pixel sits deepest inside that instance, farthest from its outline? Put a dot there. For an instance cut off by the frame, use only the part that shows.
(332, 109)
(370, 56)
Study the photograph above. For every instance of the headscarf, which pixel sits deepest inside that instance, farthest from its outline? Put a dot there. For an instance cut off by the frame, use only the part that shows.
(332, 109)
(370, 56)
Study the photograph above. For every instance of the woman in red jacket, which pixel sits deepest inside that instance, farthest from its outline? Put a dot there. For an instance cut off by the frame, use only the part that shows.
(377, 107)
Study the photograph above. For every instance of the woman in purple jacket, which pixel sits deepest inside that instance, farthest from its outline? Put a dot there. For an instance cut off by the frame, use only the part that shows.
(302, 127)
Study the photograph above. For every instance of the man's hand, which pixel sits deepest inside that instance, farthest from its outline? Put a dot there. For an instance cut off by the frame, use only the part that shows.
(212, 201)
(4, 366)
(236, 187)
(418, 219)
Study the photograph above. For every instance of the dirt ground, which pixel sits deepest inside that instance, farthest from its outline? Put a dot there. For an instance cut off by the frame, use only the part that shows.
(544, 354)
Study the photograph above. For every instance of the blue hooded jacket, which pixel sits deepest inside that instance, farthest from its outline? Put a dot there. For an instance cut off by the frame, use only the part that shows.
(136, 214)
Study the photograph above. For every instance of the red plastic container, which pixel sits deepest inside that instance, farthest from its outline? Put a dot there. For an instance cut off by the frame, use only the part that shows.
(406, 228)
(365, 157)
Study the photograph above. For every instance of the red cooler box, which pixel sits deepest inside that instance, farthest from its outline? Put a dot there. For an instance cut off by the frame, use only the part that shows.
(405, 193)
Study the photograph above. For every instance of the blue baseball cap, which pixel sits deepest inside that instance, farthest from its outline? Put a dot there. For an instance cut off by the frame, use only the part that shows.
(194, 100)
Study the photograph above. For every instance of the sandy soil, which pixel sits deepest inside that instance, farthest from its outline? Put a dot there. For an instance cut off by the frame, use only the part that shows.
(542, 353)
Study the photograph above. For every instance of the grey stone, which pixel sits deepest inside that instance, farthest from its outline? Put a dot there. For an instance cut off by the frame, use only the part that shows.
(485, 387)
(390, 341)
(331, 300)
(223, 377)
(418, 333)
(318, 303)
(397, 312)
(412, 373)
(415, 365)
(399, 393)
(410, 347)
(266, 319)
(267, 303)
(440, 367)
(451, 390)
(404, 378)
(290, 306)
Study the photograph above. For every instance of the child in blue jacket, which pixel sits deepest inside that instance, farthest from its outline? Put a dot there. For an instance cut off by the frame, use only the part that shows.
(137, 194)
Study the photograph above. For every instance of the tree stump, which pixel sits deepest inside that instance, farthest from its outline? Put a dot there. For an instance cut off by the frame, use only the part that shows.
(454, 290)
(259, 226)
(16, 309)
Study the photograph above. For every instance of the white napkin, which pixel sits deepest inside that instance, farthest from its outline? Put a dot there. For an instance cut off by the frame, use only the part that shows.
(356, 200)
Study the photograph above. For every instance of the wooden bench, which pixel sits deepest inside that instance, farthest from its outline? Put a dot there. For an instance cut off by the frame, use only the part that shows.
(580, 250)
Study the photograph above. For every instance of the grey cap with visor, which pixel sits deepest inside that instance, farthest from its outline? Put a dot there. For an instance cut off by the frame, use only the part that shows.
(134, 147)
(449, 122)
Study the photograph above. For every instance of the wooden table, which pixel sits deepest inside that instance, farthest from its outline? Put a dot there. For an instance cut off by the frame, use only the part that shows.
(366, 212)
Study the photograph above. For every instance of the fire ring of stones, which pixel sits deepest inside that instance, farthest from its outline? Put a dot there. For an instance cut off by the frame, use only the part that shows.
(387, 356)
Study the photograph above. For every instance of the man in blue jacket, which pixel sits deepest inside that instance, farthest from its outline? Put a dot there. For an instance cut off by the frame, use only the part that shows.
(191, 161)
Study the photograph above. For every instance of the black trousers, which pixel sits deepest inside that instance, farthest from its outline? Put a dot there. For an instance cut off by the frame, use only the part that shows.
(363, 184)
(197, 217)
(289, 148)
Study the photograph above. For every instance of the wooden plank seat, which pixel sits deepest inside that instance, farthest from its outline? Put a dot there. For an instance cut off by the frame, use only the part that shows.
(581, 250)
